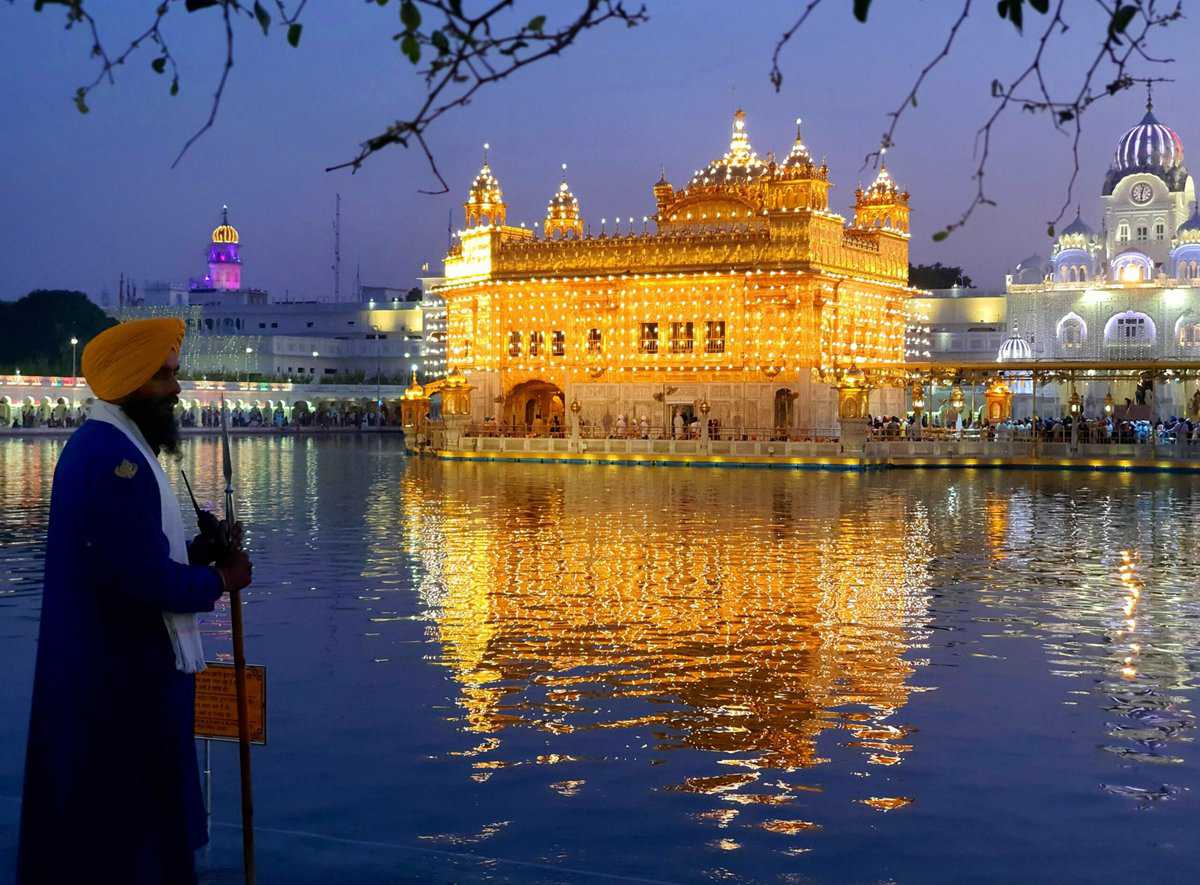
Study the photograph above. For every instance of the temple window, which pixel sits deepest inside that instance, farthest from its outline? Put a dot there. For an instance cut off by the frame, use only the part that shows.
(535, 343)
(714, 336)
(1131, 328)
(1189, 334)
(1123, 233)
(514, 343)
(1143, 232)
(593, 341)
(649, 340)
(681, 337)
(558, 343)
(1160, 230)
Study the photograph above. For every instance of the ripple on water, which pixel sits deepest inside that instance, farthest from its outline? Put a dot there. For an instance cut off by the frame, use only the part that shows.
(750, 664)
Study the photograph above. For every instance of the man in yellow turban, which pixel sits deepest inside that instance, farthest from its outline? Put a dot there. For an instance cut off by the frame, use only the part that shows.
(112, 789)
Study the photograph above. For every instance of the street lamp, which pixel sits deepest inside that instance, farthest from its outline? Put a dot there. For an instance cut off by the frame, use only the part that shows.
(74, 345)
(249, 350)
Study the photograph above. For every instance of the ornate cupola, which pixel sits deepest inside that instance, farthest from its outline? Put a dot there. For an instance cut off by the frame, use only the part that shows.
(1077, 253)
(1149, 147)
(883, 205)
(798, 158)
(562, 212)
(224, 256)
(485, 201)
(739, 165)
(798, 182)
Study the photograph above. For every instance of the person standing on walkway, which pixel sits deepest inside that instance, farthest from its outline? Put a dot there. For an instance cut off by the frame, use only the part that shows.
(112, 789)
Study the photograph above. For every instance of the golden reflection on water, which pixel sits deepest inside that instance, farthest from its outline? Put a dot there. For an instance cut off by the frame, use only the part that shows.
(748, 618)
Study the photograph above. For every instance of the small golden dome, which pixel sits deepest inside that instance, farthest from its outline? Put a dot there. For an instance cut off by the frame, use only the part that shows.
(225, 233)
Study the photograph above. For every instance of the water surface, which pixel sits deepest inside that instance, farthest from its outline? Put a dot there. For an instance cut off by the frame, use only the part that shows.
(527, 672)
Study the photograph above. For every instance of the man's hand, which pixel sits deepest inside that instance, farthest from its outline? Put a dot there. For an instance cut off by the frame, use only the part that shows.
(235, 569)
(210, 545)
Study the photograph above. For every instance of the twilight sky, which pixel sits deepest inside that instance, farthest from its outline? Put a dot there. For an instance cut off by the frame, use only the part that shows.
(89, 197)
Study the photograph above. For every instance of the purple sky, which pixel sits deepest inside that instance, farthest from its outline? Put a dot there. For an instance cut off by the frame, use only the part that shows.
(88, 197)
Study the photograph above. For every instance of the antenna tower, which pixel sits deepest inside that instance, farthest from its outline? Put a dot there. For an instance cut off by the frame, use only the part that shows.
(337, 249)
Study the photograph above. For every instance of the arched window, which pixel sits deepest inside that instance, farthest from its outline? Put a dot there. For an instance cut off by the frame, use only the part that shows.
(1071, 331)
(1187, 330)
(1130, 328)
(1071, 275)
(1132, 267)
(1123, 232)
(1083, 274)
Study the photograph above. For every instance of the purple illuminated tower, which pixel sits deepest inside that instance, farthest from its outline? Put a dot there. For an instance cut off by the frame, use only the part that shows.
(224, 259)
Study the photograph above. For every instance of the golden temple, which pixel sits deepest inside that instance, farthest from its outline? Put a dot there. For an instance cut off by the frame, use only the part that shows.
(743, 295)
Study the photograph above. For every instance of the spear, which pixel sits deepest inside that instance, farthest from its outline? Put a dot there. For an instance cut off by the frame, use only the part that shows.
(239, 669)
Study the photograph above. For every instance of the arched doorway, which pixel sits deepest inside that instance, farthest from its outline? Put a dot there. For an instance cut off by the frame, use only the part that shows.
(784, 409)
(534, 406)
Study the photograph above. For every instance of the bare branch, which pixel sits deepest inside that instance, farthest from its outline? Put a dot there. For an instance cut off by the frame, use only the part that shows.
(216, 103)
(1120, 45)
(476, 58)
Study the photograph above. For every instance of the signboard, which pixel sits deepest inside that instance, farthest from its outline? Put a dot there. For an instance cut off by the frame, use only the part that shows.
(216, 703)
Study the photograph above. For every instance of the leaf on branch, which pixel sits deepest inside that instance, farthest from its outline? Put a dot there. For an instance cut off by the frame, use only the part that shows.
(159, 64)
(1042, 6)
(1012, 9)
(1121, 18)
(175, 86)
(438, 39)
(861, 8)
(538, 22)
(264, 17)
(1050, 231)
(411, 47)
(81, 100)
(940, 235)
(410, 15)
(293, 35)
(197, 5)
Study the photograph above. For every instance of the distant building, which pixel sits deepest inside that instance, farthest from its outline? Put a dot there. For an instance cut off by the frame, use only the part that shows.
(1131, 289)
(237, 331)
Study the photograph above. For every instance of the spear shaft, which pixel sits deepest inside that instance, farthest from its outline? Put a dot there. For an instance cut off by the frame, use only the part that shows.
(239, 670)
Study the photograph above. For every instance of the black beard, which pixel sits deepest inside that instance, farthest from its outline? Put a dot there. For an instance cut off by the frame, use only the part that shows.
(155, 418)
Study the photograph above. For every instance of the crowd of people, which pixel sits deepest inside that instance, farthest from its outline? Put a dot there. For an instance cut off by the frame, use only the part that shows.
(1092, 430)
(327, 416)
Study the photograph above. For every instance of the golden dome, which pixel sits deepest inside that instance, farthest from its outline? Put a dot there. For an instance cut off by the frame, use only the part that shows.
(884, 184)
(739, 164)
(485, 200)
(798, 155)
(485, 188)
(562, 212)
(225, 233)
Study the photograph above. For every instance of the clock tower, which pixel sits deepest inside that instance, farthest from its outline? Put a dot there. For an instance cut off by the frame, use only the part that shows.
(1147, 195)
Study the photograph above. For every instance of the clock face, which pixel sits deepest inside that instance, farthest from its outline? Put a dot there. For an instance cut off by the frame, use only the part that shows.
(1141, 193)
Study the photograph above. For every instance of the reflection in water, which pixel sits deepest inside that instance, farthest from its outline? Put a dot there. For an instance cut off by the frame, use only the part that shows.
(766, 666)
(732, 628)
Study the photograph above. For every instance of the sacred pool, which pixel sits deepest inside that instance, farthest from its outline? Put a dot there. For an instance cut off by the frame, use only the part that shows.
(559, 672)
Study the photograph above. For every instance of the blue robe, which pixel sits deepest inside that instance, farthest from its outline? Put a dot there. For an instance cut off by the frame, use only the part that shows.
(112, 788)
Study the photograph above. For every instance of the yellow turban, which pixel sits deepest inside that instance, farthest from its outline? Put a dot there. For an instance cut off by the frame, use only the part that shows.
(122, 358)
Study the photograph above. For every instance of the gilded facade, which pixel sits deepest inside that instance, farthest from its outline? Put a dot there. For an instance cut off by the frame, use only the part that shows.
(743, 295)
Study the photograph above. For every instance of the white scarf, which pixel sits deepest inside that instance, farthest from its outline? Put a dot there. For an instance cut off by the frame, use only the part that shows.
(181, 626)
